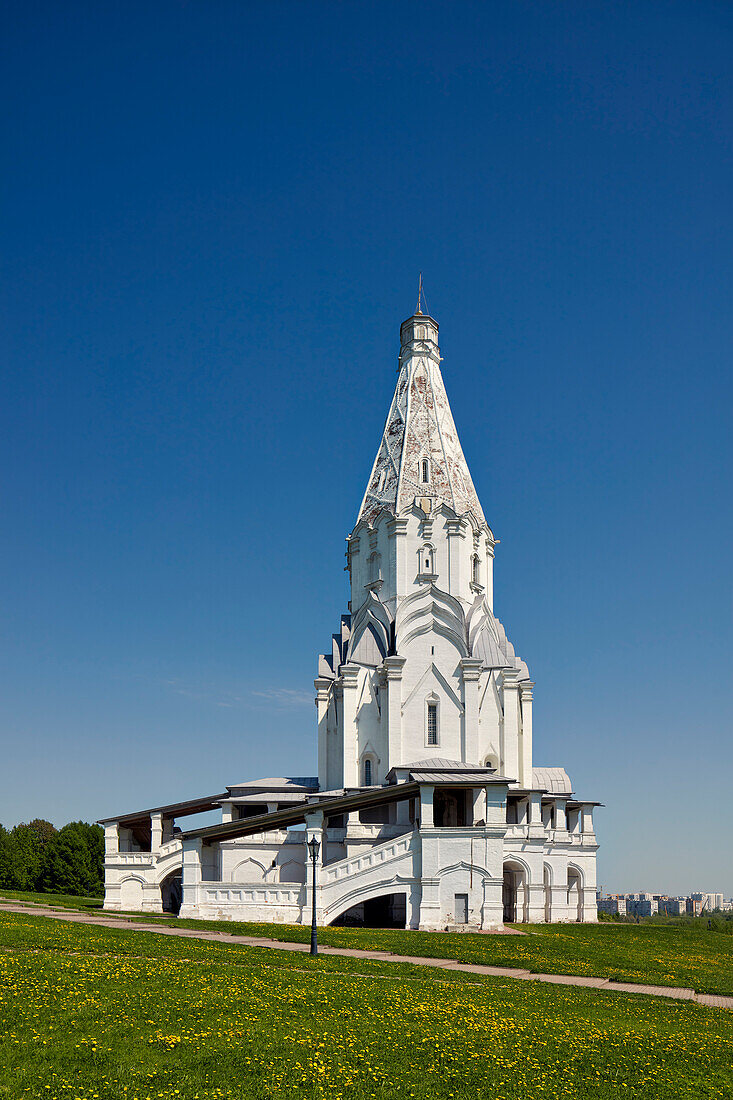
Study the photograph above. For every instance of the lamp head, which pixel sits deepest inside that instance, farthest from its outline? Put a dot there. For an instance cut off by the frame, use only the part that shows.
(314, 847)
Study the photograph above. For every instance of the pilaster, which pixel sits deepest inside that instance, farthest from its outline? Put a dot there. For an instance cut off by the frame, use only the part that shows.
(393, 667)
(525, 755)
(350, 683)
(397, 532)
(510, 695)
(322, 686)
(455, 530)
(470, 673)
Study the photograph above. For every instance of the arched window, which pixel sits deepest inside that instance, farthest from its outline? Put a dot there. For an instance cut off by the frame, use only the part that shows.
(375, 567)
(426, 561)
(425, 471)
(432, 724)
(367, 773)
(476, 569)
(382, 479)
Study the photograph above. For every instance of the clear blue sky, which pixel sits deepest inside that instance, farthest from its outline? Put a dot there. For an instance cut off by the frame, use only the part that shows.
(213, 216)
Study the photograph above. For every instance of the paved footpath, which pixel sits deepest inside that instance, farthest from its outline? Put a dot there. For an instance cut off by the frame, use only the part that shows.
(74, 917)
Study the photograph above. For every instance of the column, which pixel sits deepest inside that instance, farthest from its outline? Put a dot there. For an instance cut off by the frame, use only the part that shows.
(402, 813)
(323, 686)
(350, 682)
(156, 831)
(426, 807)
(561, 821)
(191, 876)
(470, 673)
(393, 667)
(479, 805)
(111, 839)
(525, 756)
(587, 829)
(510, 695)
(536, 824)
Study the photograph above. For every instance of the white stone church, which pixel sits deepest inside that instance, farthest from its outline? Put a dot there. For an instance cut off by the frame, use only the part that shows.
(427, 806)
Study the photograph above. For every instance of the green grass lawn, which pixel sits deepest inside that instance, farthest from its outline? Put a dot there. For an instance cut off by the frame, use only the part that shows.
(92, 1013)
(61, 901)
(650, 953)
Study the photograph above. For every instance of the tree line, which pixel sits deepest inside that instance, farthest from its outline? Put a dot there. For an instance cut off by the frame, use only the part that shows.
(41, 858)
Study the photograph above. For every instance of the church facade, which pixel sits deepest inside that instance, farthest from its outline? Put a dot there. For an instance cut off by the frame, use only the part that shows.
(428, 810)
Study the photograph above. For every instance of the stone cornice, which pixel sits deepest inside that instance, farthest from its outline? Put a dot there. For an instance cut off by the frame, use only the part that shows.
(397, 526)
(393, 667)
(349, 675)
(471, 668)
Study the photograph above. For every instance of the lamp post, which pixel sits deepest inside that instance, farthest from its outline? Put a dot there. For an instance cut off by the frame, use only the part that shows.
(314, 848)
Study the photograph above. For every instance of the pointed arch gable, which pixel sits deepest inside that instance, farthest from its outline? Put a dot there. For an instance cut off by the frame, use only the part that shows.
(433, 671)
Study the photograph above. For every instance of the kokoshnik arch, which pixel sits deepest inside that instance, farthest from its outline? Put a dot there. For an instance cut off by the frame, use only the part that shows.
(428, 807)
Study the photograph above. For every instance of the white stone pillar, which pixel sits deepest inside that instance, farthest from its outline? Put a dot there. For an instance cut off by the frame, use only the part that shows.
(323, 686)
(470, 673)
(525, 755)
(111, 839)
(393, 667)
(350, 682)
(426, 807)
(561, 821)
(536, 913)
(510, 695)
(156, 831)
(479, 805)
(587, 829)
(536, 824)
(402, 813)
(191, 876)
(227, 812)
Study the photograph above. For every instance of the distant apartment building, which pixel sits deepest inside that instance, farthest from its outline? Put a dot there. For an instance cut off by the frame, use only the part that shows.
(644, 904)
(614, 905)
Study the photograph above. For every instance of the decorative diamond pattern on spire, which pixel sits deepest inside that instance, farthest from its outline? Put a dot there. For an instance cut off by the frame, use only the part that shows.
(420, 427)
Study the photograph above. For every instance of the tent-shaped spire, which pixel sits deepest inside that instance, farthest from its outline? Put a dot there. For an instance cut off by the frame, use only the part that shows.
(420, 454)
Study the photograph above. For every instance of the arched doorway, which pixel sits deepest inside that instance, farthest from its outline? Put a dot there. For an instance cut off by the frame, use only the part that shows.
(575, 895)
(171, 893)
(385, 911)
(514, 893)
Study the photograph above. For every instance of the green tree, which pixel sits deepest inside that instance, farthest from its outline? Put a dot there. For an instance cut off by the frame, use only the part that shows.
(10, 861)
(73, 861)
(31, 841)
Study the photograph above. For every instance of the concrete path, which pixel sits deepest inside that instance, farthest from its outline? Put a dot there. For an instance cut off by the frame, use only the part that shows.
(73, 916)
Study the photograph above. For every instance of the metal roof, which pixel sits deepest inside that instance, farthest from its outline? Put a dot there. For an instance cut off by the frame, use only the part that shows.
(172, 809)
(295, 815)
(279, 783)
(552, 780)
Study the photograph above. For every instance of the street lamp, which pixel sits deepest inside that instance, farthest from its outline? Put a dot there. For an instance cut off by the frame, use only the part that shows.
(314, 847)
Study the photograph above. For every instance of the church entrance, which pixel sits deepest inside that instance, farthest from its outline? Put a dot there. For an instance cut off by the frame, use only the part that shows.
(385, 911)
